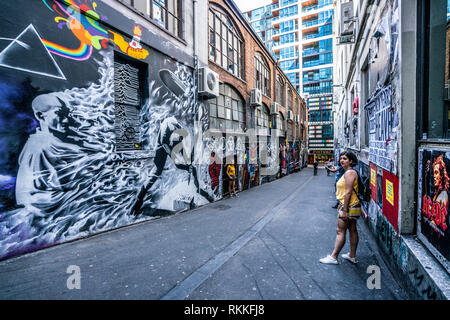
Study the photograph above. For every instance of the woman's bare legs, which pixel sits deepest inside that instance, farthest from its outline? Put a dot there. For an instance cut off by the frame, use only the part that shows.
(354, 238)
(340, 237)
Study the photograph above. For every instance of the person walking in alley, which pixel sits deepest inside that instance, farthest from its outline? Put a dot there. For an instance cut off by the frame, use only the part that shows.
(349, 210)
(231, 173)
(316, 164)
(329, 166)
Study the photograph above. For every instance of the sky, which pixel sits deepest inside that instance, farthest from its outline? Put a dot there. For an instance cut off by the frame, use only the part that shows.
(245, 5)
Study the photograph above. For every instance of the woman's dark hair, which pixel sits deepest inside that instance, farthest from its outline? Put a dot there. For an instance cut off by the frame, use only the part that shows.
(351, 156)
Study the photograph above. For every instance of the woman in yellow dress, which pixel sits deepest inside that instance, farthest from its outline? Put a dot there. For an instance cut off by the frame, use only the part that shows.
(349, 210)
(231, 172)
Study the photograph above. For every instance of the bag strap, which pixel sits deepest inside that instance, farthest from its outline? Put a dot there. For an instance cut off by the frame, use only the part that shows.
(357, 174)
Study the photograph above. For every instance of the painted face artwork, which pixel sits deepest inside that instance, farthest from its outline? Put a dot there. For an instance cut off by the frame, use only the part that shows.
(52, 113)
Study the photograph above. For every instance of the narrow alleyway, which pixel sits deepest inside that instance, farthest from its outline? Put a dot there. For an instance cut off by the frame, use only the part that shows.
(266, 245)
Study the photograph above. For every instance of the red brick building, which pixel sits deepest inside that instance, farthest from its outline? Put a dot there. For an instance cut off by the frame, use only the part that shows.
(244, 65)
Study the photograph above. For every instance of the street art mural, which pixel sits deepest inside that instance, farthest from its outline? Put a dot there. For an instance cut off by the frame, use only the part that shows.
(132, 48)
(433, 194)
(81, 18)
(95, 143)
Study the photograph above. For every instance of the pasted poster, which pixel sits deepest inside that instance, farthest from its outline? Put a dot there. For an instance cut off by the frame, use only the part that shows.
(433, 193)
(390, 198)
(364, 173)
(383, 124)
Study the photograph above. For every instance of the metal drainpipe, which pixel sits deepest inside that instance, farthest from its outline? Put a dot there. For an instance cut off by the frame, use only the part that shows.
(194, 7)
(196, 104)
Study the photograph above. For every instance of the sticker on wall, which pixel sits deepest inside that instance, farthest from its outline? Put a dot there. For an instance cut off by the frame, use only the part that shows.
(373, 177)
(389, 192)
(132, 48)
(28, 53)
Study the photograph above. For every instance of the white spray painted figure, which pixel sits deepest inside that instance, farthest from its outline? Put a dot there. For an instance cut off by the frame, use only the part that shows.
(169, 137)
(45, 158)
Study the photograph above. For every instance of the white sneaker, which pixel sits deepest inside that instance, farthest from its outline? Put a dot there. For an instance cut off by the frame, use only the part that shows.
(329, 260)
(347, 257)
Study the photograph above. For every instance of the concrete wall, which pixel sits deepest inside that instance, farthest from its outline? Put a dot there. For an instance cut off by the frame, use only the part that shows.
(387, 51)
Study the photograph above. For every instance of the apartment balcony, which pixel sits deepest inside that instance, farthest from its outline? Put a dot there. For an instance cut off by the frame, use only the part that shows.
(281, 57)
(313, 52)
(277, 42)
(313, 66)
(316, 35)
(314, 22)
(276, 11)
(275, 1)
(315, 81)
(312, 7)
(309, 9)
(278, 32)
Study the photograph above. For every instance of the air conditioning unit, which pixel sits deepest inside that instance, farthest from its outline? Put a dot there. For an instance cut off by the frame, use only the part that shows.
(290, 115)
(274, 108)
(447, 92)
(208, 83)
(297, 118)
(255, 97)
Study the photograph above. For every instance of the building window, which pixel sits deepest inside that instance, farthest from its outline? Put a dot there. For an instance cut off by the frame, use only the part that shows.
(436, 78)
(327, 131)
(290, 100)
(279, 91)
(129, 81)
(225, 43)
(262, 117)
(166, 13)
(314, 116)
(227, 111)
(280, 122)
(262, 74)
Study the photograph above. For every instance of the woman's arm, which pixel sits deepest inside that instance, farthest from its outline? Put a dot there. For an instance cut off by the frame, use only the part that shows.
(350, 177)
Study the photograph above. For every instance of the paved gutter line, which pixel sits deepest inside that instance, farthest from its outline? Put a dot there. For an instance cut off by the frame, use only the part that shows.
(187, 286)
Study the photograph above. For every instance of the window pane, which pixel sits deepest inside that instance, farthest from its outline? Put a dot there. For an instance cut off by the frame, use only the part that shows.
(224, 61)
(213, 110)
(212, 52)
(220, 100)
(142, 6)
(220, 112)
(158, 13)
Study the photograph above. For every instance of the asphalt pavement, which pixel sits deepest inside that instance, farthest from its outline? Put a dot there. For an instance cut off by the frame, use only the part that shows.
(263, 245)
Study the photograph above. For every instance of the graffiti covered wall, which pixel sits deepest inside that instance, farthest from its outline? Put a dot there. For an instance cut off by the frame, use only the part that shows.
(88, 115)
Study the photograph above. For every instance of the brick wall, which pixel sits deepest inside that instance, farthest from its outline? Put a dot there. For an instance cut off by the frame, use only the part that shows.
(251, 46)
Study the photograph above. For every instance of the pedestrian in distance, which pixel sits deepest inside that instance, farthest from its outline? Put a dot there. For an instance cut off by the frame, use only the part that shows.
(231, 173)
(329, 166)
(316, 164)
(349, 210)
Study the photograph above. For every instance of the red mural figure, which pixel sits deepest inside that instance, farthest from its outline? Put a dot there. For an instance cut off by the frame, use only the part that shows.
(214, 173)
(436, 208)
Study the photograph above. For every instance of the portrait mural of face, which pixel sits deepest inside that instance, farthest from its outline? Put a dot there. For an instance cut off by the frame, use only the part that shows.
(434, 193)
